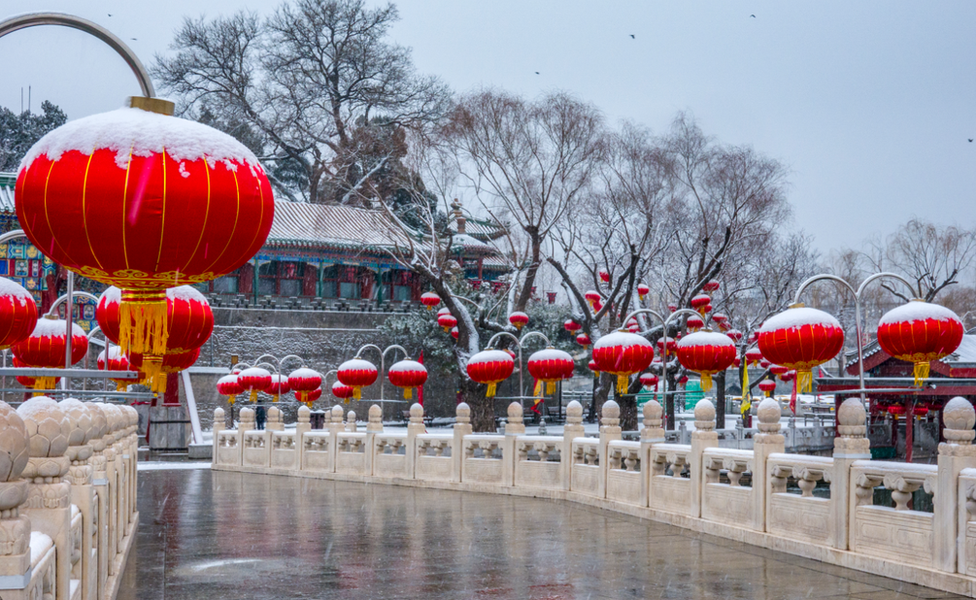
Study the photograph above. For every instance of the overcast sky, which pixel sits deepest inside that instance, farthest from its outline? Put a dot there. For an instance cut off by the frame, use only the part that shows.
(870, 104)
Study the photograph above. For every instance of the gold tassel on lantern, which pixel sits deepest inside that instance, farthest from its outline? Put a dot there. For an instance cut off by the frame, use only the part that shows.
(550, 387)
(921, 372)
(804, 381)
(230, 399)
(157, 383)
(357, 393)
(254, 396)
(408, 393)
(42, 384)
(706, 382)
(274, 397)
(142, 322)
(623, 380)
(491, 390)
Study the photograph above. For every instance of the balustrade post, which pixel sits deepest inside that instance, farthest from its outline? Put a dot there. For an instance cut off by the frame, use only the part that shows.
(462, 427)
(414, 428)
(955, 454)
(651, 433)
(768, 440)
(704, 436)
(334, 425)
(15, 528)
(49, 493)
(82, 493)
(572, 430)
(513, 428)
(609, 431)
(303, 426)
(274, 421)
(373, 426)
(98, 463)
(218, 426)
(351, 421)
(851, 444)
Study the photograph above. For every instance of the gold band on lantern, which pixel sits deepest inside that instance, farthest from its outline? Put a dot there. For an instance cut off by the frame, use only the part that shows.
(154, 105)
(143, 322)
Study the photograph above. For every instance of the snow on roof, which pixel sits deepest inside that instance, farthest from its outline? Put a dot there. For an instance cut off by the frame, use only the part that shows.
(463, 240)
(965, 353)
(482, 230)
(299, 223)
(8, 182)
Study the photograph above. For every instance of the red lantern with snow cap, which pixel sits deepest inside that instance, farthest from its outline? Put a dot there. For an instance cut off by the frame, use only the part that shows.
(430, 300)
(593, 297)
(302, 381)
(735, 334)
(672, 345)
(45, 347)
(18, 313)
(490, 367)
(254, 380)
(549, 366)
(719, 318)
(649, 380)
(711, 286)
(129, 198)
(455, 333)
(447, 321)
(768, 386)
(699, 303)
(604, 276)
(643, 291)
(778, 371)
(113, 360)
(313, 396)
(753, 356)
(230, 387)
(672, 307)
(341, 391)
(801, 338)
(920, 332)
(583, 340)
(407, 374)
(278, 387)
(572, 326)
(707, 353)
(357, 373)
(519, 319)
(694, 323)
(622, 354)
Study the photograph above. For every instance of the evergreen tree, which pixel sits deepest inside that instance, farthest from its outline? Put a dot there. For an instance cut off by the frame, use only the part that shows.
(19, 132)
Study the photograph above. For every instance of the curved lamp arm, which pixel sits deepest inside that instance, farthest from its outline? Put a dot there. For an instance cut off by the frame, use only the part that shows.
(61, 300)
(501, 333)
(531, 334)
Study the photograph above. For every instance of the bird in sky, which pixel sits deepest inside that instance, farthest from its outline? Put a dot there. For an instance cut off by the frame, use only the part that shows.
(134, 39)
(632, 37)
(753, 16)
(536, 72)
(110, 14)
(970, 140)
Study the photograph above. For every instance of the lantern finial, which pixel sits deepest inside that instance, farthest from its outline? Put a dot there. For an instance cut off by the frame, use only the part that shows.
(155, 105)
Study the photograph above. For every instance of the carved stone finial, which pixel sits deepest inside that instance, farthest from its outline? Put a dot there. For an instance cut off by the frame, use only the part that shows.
(705, 415)
(351, 416)
(514, 412)
(769, 413)
(416, 413)
(375, 418)
(47, 426)
(959, 418)
(79, 419)
(574, 413)
(14, 442)
(218, 414)
(653, 412)
(611, 410)
(337, 414)
(247, 419)
(851, 413)
(463, 413)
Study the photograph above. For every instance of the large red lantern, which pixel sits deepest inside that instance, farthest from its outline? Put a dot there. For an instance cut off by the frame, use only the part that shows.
(447, 321)
(342, 391)
(144, 201)
(801, 338)
(230, 387)
(707, 353)
(278, 387)
(549, 366)
(920, 332)
(519, 319)
(45, 348)
(490, 367)
(622, 354)
(430, 300)
(254, 380)
(303, 381)
(407, 374)
(357, 373)
(18, 313)
(170, 363)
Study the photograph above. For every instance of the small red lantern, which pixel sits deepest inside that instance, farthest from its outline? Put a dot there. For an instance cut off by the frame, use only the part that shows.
(18, 313)
(778, 370)
(170, 363)
(302, 381)
(622, 354)
(788, 376)
(312, 396)
(572, 326)
(593, 297)
(768, 386)
(683, 380)
(597, 306)
(719, 318)
(593, 367)
(753, 356)
(447, 321)
(583, 340)
(753, 337)
(455, 333)
(341, 391)
(490, 367)
(230, 387)
(519, 319)
(737, 362)
(708, 308)
(649, 380)
(699, 303)
(278, 387)
(357, 373)
(430, 300)
(763, 363)
(735, 334)
(707, 353)
(711, 286)
(801, 338)
(407, 374)
(254, 380)
(45, 347)
(604, 276)
(27, 382)
(116, 361)
(643, 291)
(920, 332)
(549, 366)
(672, 307)
(672, 345)
(694, 323)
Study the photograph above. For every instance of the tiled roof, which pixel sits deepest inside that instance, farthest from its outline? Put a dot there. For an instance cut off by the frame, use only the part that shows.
(331, 225)
(7, 183)
(482, 230)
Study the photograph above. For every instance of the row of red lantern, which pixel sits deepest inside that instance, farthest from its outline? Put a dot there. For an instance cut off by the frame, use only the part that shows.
(549, 366)
(357, 373)
(306, 383)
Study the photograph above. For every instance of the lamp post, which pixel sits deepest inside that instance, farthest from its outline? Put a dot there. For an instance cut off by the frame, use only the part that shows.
(383, 352)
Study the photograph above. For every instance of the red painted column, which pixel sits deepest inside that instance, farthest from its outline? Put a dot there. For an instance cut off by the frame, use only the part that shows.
(172, 395)
(909, 430)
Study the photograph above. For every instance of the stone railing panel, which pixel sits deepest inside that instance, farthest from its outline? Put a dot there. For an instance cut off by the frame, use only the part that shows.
(284, 450)
(586, 471)
(624, 471)
(724, 497)
(350, 453)
(802, 515)
(390, 455)
(482, 459)
(228, 448)
(434, 452)
(256, 451)
(317, 452)
(537, 462)
(670, 485)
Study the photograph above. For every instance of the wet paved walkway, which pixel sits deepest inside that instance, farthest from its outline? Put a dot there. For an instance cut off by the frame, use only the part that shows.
(216, 535)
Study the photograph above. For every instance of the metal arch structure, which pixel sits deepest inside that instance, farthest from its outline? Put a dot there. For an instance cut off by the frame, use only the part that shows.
(65, 20)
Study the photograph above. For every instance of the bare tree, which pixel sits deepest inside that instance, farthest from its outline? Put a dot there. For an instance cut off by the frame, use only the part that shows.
(529, 162)
(318, 82)
(933, 257)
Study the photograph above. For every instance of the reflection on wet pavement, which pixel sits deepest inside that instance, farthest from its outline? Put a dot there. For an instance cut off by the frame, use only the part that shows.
(216, 535)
